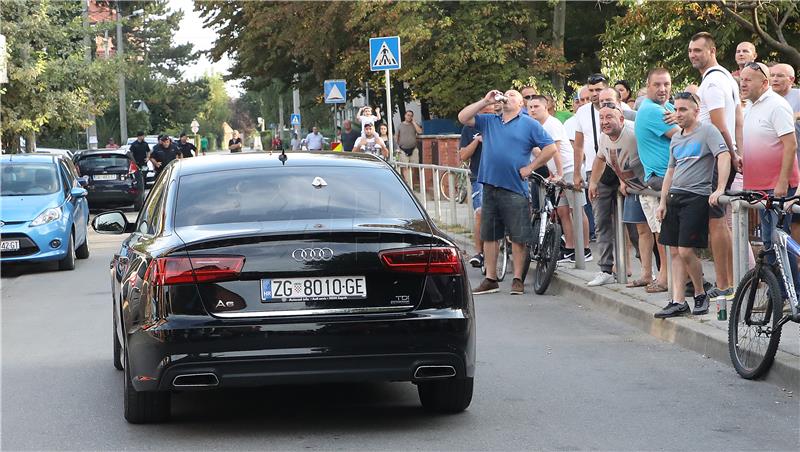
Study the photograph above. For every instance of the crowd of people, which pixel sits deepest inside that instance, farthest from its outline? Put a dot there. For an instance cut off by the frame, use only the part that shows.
(733, 131)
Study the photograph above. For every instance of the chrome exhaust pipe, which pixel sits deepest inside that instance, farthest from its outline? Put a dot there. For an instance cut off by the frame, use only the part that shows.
(203, 380)
(434, 372)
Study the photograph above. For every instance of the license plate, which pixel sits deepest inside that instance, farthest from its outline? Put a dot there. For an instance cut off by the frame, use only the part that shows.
(105, 177)
(314, 289)
(9, 245)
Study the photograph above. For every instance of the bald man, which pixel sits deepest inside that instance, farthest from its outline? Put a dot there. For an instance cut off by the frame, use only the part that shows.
(782, 78)
(745, 53)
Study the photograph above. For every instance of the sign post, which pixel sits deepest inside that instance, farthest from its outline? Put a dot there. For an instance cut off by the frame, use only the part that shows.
(335, 93)
(384, 55)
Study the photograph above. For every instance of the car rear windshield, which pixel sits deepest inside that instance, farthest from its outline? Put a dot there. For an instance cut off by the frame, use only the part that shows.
(29, 179)
(297, 193)
(103, 162)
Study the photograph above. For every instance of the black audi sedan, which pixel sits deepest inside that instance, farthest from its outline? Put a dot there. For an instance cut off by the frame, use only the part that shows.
(114, 178)
(256, 269)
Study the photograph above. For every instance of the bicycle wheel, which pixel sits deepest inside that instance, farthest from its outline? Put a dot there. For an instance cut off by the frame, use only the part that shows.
(752, 343)
(461, 188)
(502, 259)
(548, 258)
(444, 186)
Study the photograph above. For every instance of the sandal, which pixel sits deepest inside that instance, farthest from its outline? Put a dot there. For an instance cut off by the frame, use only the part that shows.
(655, 287)
(640, 283)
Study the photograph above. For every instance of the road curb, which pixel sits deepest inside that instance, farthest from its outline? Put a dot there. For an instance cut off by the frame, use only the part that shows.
(688, 332)
(684, 331)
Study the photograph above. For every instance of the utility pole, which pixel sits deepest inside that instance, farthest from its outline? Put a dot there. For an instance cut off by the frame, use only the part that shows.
(123, 105)
(280, 114)
(559, 22)
(91, 131)
(296, 103)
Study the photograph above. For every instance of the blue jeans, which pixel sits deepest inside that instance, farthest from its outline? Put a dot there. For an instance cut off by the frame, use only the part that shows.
(769, 221)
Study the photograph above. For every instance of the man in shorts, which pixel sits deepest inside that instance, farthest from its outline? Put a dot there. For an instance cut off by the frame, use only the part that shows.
(653, 137)
(469, 149)
(508, 140)
(538, 110)
(685, 197)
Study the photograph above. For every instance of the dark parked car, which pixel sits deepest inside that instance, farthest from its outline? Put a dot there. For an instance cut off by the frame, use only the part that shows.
(114, 178)
(244, 271)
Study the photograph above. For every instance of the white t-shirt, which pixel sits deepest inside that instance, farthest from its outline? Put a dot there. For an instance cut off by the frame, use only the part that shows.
(569, 127)
(556, 131)
(372, 145)
(364, 120)
(584, 125)
(719, 90)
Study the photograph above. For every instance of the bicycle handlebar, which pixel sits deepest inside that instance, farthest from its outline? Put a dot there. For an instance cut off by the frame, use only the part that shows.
(559, 183)
(753, 197)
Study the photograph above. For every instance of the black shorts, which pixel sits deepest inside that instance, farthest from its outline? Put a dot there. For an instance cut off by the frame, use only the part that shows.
(686, 221)
(504, 212)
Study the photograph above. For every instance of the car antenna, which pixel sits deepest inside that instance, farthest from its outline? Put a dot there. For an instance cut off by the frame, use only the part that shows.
(283, 156)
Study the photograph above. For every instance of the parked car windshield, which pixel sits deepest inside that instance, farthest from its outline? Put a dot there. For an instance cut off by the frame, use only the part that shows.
(101, 162)
(29, 179)
(281, 194)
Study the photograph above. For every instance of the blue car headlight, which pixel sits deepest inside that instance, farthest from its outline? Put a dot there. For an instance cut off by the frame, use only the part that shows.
(48, 216)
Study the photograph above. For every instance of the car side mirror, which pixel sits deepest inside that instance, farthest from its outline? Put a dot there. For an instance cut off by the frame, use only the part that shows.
(83, 181)
(112, 222)
(78, 192)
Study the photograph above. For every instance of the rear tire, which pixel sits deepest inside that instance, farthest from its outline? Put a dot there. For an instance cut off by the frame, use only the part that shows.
(502, 259)
(82, 252)
(446, 396)
(548, 258)
(752, 348)
(144, 407)
(68, 262)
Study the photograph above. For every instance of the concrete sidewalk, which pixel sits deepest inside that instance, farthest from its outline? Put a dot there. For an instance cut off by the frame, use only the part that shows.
(703, 334)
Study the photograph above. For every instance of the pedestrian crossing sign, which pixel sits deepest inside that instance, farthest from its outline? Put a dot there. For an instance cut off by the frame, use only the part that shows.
(335, 91)
(384, 53)
(295, 119)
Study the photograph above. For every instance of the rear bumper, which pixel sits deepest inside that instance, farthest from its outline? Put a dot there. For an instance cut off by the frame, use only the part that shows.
(120, 195)
(257, 354)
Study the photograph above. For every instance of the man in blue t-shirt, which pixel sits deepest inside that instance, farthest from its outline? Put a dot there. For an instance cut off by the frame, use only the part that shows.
(508, 141)
(653, 136)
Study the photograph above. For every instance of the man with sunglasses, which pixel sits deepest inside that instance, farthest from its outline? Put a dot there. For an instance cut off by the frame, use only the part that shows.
(685, 197)
(508, 142)
(719, 105)
(770, 145)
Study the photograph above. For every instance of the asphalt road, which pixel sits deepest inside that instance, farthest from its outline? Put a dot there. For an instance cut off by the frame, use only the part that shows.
(551, 374)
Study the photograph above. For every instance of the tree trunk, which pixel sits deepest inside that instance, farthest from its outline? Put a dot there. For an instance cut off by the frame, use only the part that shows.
(425, 109)
(30, 142)
(559, 20)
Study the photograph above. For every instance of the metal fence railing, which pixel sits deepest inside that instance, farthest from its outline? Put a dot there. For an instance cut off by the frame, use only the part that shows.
(451, 211)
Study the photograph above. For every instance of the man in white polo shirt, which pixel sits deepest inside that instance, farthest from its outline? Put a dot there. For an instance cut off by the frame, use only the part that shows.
(769, 145)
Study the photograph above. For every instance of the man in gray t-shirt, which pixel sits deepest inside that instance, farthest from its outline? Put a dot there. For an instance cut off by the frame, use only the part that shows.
(684, 206)
(692, 155)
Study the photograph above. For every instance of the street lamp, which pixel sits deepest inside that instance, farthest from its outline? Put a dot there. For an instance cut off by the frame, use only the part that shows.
(123, 107)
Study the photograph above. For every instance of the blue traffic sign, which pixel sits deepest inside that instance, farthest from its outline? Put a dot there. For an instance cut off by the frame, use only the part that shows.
(384, 53)
(335, 91)
(295, 121)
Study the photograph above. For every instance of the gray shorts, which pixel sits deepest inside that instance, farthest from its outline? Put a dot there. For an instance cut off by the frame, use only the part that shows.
(503, 213)
(580, 197)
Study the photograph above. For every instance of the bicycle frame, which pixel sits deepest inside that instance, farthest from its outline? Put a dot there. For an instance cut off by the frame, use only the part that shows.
(546, 207)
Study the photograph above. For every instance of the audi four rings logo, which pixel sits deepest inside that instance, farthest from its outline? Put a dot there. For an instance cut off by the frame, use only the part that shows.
(312, 254)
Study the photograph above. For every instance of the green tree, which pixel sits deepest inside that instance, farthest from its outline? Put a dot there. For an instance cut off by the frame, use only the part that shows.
(216, 109)
(50, 83)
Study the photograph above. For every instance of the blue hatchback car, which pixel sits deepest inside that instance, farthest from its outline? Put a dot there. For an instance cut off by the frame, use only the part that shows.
(43, 212)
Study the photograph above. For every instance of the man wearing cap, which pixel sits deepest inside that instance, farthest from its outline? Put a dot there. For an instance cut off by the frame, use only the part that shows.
(163, 153)
(186, 148)
(140, 150)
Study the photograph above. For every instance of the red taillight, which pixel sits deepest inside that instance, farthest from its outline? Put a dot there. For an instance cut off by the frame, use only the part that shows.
(166, 271)
(439, 261)
(132, 168)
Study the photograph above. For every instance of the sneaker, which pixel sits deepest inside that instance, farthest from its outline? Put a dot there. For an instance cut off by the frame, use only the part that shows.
(487, 286)
(567, 256)
(517, 288)
(587, 256)
(707, 288)
(601, 278)
(700, 304)
(727, 293)
(672, 310)
(477, 260)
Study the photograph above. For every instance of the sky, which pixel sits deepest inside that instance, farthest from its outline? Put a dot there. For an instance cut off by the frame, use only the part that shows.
(192, 32)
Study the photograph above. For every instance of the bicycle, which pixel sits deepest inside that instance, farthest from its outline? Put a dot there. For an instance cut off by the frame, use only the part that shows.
(545, 248)
(461, 180)
(757, 311)
(503, 255)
